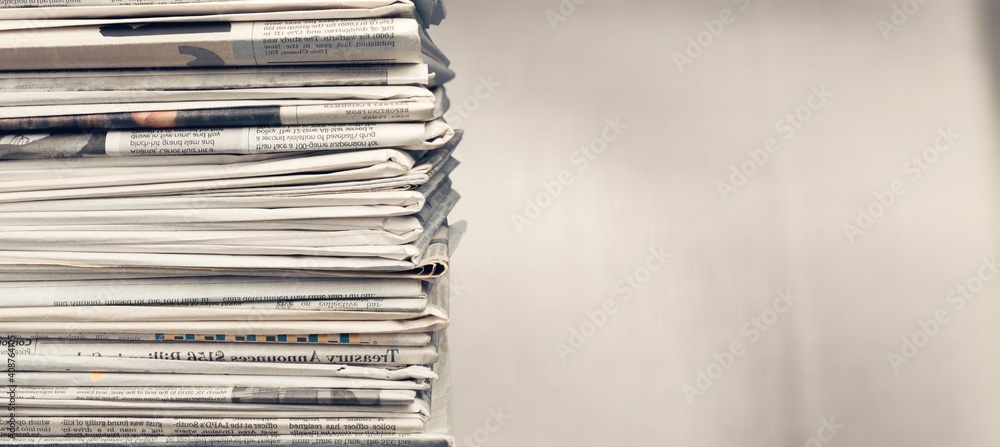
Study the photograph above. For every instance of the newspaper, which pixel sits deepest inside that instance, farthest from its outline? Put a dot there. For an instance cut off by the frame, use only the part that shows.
(417, 376)
(370, 229)
(19, 17)
(384, 12)
(435, 413)
(237, 353)
(171, 216)
(166, 407)
(207, 113)
(354, 204)
(215, 78)
(442, 72)
(200, 290)
(225, 77)
(74, 9)
(297, 413)
(303, 184)
(245, 256)
(247, 140)
(423, 176)
(361, 306)
(130, 427)
(290, 395)
(24, 273)
(85, 239)
(324, 112)
(192, 313)
(404, 440)
(263, 140)
(245, 172)
(296, 106)
(72, 166)
(351, 243)
(371, 309)
(214, 44)
(141, 300)
(421, 226)
(437, 320)
(103, 242)
(388, 203)
(432, 261)
(331, 339)
(71, 379)
(187, 299)
(431, 11)
(93, 101)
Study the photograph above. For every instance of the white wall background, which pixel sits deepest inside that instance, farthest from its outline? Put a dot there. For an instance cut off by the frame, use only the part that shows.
(521, 292)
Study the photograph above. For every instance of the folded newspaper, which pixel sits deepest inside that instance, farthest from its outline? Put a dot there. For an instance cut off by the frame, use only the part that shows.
(233, 140)
(187, 109)
(225, 223)
(30, 14)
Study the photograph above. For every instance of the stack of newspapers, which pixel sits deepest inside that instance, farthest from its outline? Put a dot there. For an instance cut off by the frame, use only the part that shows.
(224, 223)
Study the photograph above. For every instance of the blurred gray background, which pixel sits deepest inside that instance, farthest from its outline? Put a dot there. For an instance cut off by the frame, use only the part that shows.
(539, 83)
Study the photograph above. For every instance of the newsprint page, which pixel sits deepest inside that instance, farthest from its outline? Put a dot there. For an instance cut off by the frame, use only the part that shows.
(225, 223)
